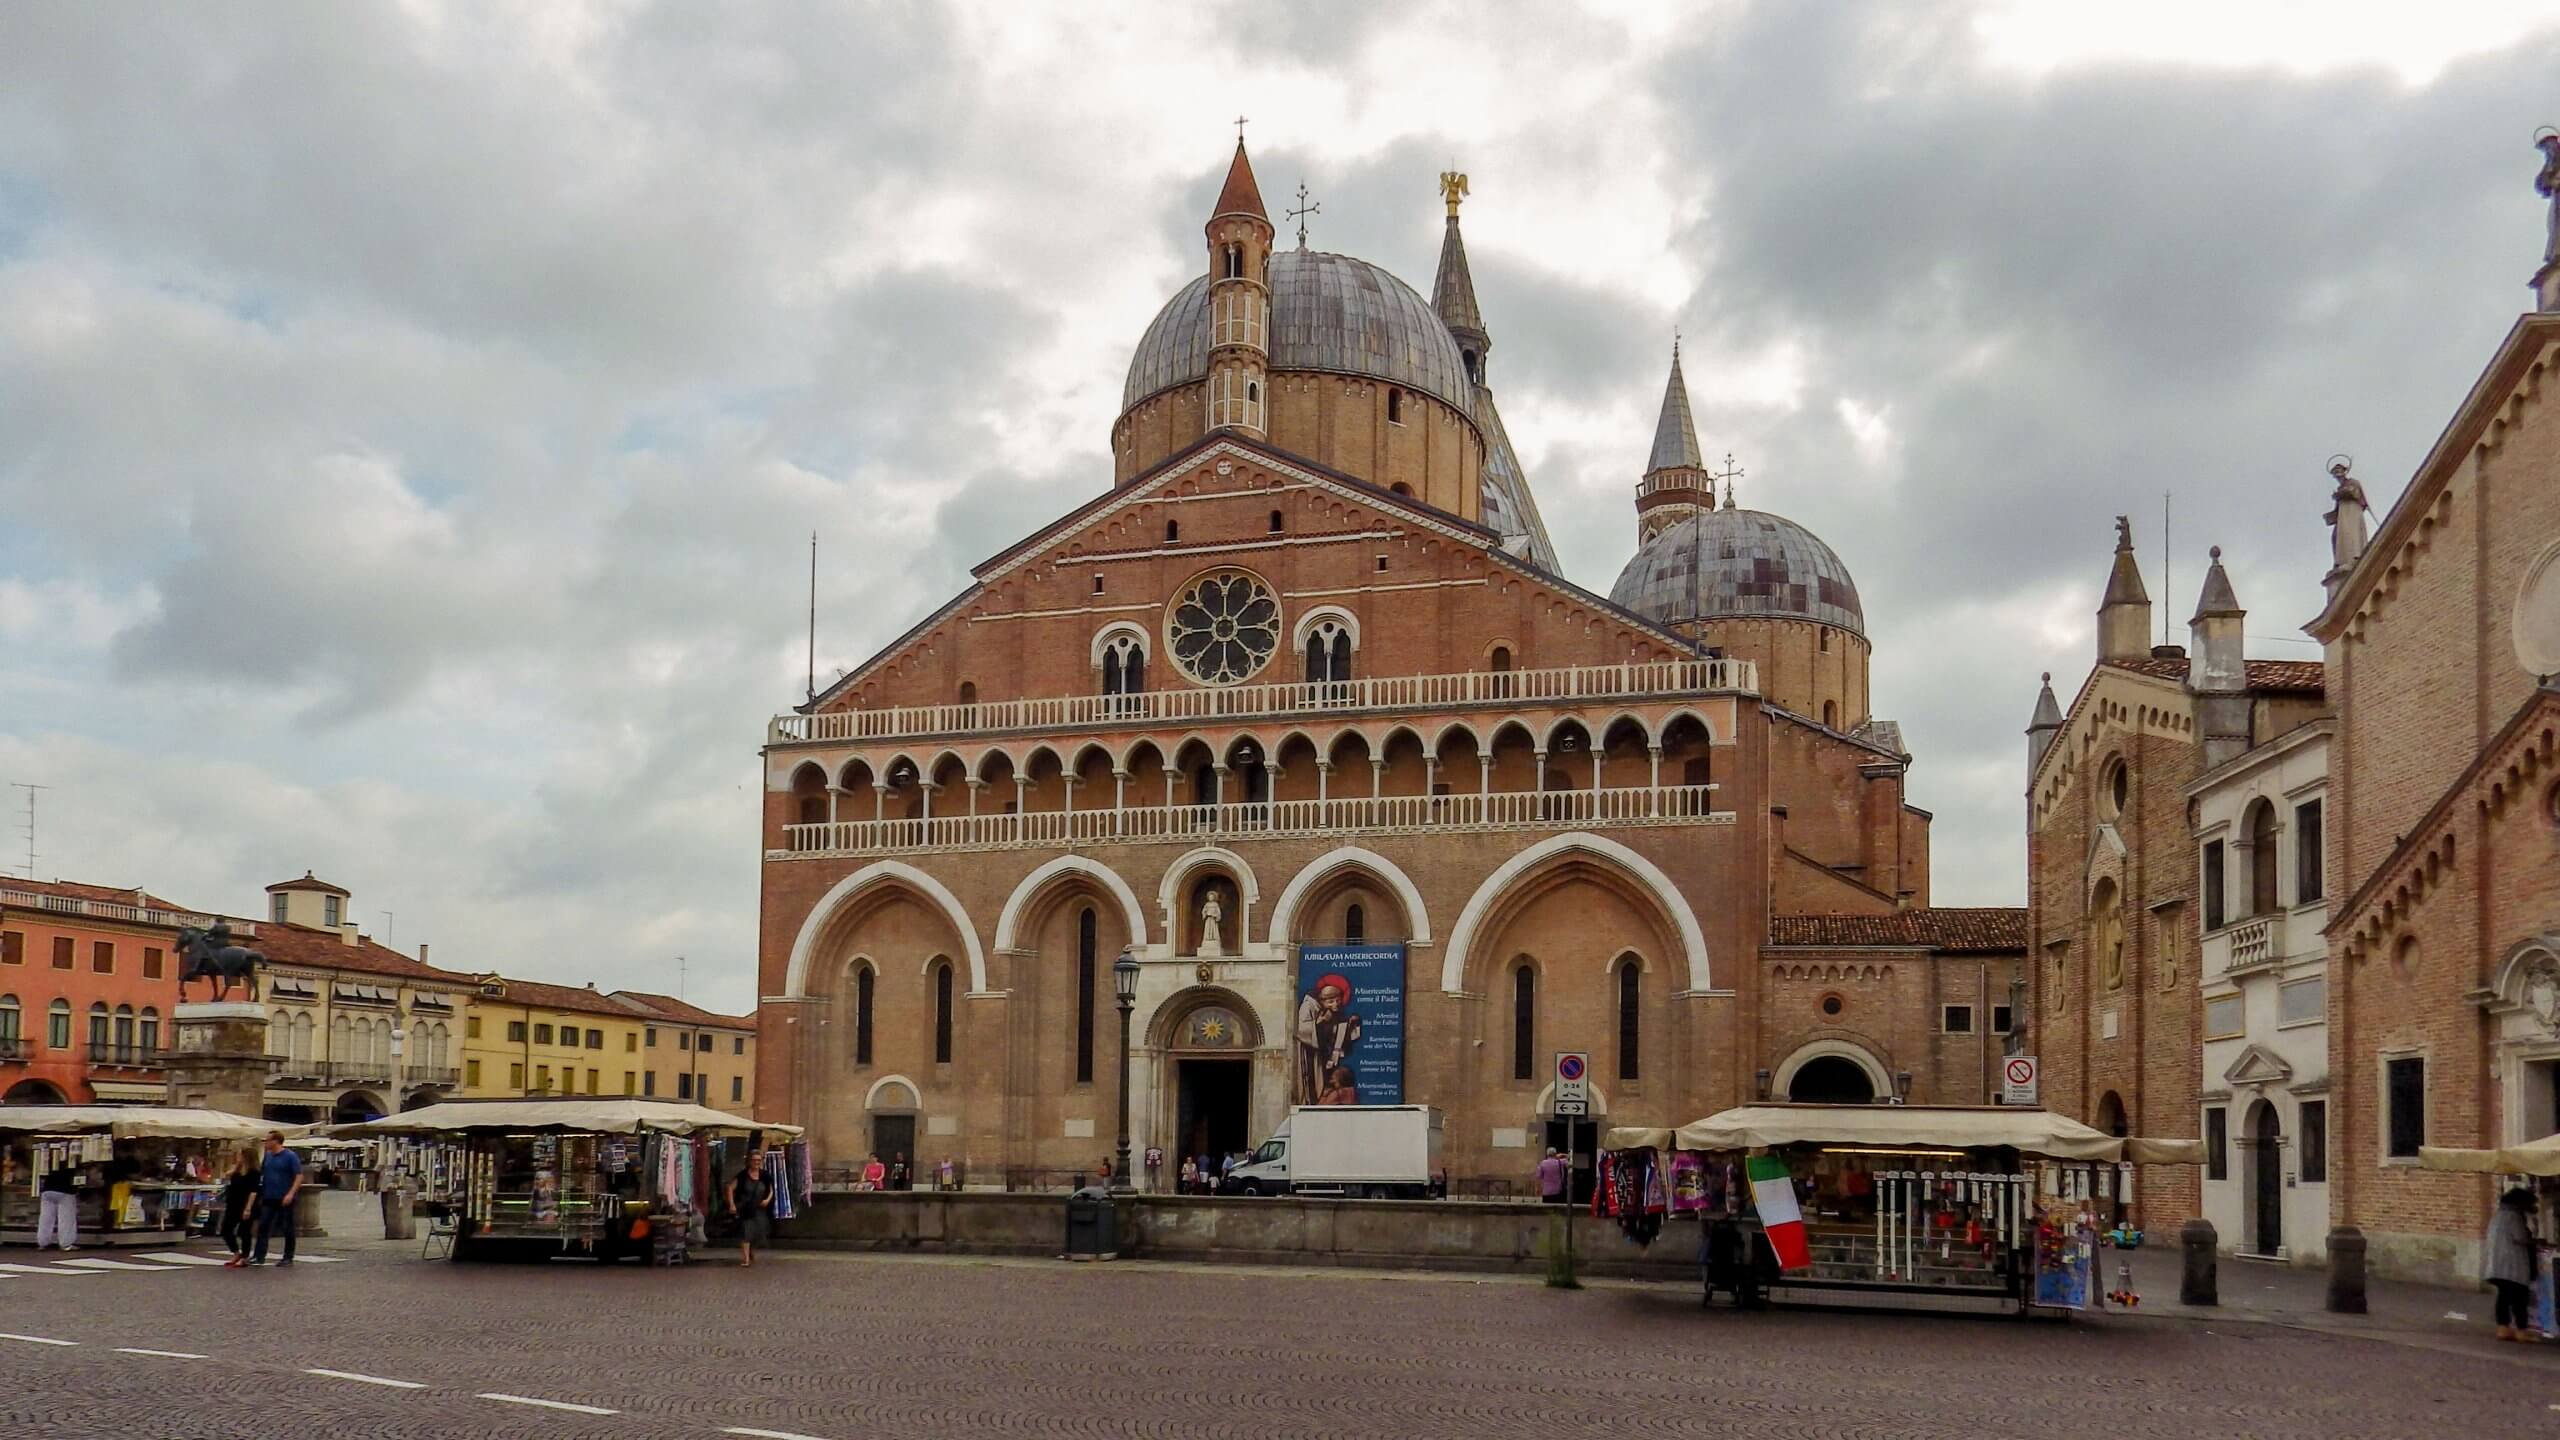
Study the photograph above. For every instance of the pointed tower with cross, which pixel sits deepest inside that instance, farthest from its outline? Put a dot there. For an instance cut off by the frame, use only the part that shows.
(1240, 236)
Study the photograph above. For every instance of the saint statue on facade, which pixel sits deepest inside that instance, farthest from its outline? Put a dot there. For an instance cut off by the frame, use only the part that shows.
(1211, 914)
(2547, 184)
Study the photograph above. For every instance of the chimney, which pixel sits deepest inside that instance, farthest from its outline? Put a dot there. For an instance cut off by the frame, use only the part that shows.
(2124, 616)
(422, 952)
(347, 933)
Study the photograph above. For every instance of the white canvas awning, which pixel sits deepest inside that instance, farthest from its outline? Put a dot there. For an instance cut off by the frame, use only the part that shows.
(2534, 1157)
(1946, 1127)
(588, 1117)
(127, 1122)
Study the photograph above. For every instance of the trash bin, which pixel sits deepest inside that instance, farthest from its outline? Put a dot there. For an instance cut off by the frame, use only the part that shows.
(398, 1221)
(1093, 1225)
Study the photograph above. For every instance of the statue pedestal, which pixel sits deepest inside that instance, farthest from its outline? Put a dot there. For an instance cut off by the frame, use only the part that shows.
(219, 1061)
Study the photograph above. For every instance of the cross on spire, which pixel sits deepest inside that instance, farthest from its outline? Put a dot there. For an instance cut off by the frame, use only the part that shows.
(1730, 473)
(1240, 123)
(1301, 213)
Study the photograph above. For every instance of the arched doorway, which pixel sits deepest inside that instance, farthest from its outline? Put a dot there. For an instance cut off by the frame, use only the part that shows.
(31, 1092)
(420, 1099)
(355, 1107)
(891, 1108)
(2263, 1153)
(1832, 1080)
(1208, 1046)
(2111, 1117)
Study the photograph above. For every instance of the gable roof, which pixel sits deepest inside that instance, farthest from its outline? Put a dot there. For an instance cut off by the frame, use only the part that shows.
(2285, 676)
(1484, 539)
(1954, 930)
(2422, 837)
(668, 1007)
(314, 948)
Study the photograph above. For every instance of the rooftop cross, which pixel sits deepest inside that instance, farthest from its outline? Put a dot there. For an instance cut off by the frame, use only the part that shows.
(1302, 212)
(1728, 475)
(1240, 122)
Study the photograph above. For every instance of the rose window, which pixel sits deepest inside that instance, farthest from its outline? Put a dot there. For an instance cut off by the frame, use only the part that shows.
(1223, 627)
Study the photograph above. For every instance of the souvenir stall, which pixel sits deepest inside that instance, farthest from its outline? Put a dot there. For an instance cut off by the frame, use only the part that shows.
(1994, 1203)
(2535, 1166)
(142, 1175)
(600, 1179)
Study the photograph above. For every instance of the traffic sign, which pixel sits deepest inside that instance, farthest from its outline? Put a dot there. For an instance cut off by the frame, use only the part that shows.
(1573, 1082)
(2018, 1080)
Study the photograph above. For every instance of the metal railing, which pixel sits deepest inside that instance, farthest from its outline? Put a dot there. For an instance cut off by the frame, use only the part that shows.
(1568, 684)
(433, 1075)
(1499, 810)
(128, 1057)
(12, 1047)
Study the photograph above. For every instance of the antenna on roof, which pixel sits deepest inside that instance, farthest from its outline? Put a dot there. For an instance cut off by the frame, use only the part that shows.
(813, 616)
(679, 977)
(2168, 560)
(29, 824)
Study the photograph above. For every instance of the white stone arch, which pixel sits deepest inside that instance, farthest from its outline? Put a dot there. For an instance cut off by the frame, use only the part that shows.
(1009, 924)
(1652, 737)
(1457, 727)
(1319, 615)
(1693, 941)
(1284, 911)
(871, 1097)
(1547, 1099)
(1249, 890)
(1691, 712)
(1782, 1079)
(1118, 630)
(1548, 741)
(804, 949)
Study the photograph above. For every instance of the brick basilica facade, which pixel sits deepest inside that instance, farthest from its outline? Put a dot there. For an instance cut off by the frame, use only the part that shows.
(1307, 674)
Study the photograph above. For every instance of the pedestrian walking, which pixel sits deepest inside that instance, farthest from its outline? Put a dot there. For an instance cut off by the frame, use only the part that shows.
(279, 1185)
(874, 1174)
(239, 1206)
(1551, 1178)
(751, 1200)
(2507, 1263)
(58, 1208)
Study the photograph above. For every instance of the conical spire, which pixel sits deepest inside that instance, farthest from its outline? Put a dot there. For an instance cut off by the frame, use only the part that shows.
(2046, 724)
(2124, 616)
(1240, 196)
(2124, 582)
(2217, 597)
(1453, 289)
(1675, 435)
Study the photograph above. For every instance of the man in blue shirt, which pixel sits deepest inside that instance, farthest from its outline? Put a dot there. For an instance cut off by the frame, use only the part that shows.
(279, 1182)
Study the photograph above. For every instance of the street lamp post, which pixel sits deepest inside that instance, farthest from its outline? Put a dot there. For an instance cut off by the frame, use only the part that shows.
(1124, 983)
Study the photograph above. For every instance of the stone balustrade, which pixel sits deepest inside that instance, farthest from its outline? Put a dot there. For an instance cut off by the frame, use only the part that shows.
(1498, 810)
(2256, 943)
(1186, 704)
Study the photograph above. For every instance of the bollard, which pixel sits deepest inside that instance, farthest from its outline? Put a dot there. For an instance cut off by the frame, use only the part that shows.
(2200, 1278)
(2346, 1270)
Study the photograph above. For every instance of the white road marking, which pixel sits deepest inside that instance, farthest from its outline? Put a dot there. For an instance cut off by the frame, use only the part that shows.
(85, 1264)
(181, 1257)
(317, 1259)
(794, 1435)
(547, 1404)
(7, 1268)
(39, 1340)
(367, 1379)
(163, 1354)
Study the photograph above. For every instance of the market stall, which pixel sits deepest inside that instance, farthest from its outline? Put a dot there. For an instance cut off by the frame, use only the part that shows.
(1980, 1202)
(606, 1179)
(140, 1175)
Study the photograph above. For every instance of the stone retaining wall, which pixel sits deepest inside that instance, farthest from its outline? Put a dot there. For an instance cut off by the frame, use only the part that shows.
(1392, 1234)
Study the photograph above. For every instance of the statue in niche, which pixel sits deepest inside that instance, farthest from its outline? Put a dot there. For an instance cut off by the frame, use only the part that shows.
(2542, 992)
(2547, 185)
(1212, 914)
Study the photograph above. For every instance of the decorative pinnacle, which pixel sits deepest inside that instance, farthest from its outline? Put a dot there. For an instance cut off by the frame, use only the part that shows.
(1302, 212)
(1453, 188)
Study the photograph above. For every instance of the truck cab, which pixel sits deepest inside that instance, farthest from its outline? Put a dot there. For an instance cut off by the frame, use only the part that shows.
(1266, 1170)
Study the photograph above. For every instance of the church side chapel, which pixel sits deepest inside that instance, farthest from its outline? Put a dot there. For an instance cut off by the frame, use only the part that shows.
(1300, 717)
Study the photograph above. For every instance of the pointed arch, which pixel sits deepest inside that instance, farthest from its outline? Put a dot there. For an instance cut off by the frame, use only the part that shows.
(1248, 889)
(1018, 904)
(896, 873)
(1856, 1054)
(1284, 911)
(1693, 941)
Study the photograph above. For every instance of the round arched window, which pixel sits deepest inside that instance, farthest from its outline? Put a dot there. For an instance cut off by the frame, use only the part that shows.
(1223, 627)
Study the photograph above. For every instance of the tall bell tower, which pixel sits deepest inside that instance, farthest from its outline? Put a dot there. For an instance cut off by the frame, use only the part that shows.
(1240, 236)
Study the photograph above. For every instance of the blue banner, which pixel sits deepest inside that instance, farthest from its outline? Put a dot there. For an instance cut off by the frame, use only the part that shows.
(1349, 1041)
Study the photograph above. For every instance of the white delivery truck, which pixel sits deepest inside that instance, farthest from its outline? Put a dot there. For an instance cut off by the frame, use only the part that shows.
(1374, 1152)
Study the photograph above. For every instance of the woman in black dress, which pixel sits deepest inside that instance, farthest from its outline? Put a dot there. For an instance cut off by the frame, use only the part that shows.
(751, 1200)
(239, 1206)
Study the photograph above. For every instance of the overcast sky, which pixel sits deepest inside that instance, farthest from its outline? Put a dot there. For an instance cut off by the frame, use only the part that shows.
(412, 417)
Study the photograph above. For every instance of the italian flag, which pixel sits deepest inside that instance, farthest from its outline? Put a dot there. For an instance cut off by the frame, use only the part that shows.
(1773, 1193)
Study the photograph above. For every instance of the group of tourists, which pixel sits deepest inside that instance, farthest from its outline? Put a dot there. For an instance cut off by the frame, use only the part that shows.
(258, 1196)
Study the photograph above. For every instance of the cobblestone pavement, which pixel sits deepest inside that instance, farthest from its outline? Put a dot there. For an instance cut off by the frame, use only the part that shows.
(844, 1346)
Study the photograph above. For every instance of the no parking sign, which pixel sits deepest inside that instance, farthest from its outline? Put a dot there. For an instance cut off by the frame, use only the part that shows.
(2018, 1080)
(1573, 1082)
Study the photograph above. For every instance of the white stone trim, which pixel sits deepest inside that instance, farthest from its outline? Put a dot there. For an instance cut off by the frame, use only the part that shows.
(1249, 891)
(1318, 615)
(804, 947)
(1010, 922)
(1783, 1078)
(1693, 941)
(872, 1095)
(1284, 910)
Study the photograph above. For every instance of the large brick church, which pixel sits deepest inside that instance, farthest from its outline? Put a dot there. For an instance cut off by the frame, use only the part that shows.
(1301, 714)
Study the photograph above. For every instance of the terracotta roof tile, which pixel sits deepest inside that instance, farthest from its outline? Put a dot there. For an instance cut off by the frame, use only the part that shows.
(1955, 929)
(668, 1007)
(308, 883)
(2263, 674)
(1240, 196)
(538, 995)
(318, 949)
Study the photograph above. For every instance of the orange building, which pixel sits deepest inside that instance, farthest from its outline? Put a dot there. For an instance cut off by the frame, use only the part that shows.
(88, 981)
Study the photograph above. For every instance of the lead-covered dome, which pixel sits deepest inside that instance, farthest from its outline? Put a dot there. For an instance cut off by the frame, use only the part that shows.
(1754, 564)
(1328, 312)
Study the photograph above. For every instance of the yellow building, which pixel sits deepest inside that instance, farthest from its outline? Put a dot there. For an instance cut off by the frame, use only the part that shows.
(690, 1053)
(355, 1029)
(523, 1037)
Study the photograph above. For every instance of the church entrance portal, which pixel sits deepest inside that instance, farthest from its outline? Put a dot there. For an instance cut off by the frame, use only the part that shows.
(1212, 1102)
(1831, 1080)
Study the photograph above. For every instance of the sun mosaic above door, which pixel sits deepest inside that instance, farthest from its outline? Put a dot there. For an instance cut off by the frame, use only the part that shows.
(1223, 627)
